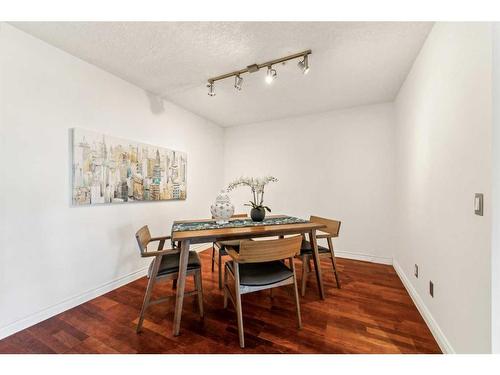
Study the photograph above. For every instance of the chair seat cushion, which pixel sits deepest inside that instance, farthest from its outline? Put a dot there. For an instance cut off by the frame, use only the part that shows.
(235, 244)
(170, 263)
(306, 248)
(258, 274)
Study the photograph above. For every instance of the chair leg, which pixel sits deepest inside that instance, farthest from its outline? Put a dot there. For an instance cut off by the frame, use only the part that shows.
(213, 257)
(305, 266)
(225, 288)
(149, 290)
(334, 263)
(296, 292)
(239, 313)
(220, 265)
(199, 289)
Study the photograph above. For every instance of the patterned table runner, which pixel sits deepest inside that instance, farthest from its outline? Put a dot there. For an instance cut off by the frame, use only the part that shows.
(237, 223)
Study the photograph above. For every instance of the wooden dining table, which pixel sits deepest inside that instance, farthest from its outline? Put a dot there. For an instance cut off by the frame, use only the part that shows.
(187, 237)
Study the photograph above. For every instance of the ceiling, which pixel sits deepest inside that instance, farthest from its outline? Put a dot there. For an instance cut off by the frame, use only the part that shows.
(352, 63)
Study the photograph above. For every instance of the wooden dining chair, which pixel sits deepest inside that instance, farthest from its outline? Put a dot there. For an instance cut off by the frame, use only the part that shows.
(165, 266)
(332, 230)
(219, 247)
(259, 265)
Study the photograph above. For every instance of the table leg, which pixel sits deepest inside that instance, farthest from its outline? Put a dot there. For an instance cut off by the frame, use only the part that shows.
(317, 263)
(181, 283)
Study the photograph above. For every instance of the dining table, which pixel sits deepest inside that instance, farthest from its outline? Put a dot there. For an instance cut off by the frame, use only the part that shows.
(199, 231)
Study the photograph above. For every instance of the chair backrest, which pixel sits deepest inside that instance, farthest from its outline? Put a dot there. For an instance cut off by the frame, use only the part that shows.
(332, 226)
(143, 237)
(269, 250)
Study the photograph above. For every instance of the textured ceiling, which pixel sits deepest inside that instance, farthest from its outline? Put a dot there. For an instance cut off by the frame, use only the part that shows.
(352, 63)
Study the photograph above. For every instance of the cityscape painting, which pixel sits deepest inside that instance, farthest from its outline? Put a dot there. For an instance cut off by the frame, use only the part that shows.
(113, 170)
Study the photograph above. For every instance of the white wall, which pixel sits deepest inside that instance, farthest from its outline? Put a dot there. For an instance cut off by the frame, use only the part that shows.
(443, 158)
(336, 164)
(495, 207)
(339, 164)
(52, 255)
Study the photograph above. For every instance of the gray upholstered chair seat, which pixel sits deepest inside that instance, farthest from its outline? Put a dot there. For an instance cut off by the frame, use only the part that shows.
(170, 263)
(258, 274)
(306, 248)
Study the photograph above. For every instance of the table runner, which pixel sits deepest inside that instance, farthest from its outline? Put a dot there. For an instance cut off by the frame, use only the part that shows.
(236, 223)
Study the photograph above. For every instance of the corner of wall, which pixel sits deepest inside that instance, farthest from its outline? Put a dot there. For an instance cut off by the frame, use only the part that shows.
(436, 331)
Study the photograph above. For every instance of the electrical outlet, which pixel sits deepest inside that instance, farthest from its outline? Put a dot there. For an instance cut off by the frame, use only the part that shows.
(415, 272)
(431, 288)
(478, 204)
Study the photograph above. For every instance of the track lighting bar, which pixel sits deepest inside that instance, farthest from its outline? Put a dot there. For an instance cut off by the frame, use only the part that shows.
(256, 67)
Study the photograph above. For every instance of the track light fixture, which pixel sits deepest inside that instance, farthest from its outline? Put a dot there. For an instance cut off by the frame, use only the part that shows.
(270, 75)
(304, 65)
(211, 89)
(238, 81)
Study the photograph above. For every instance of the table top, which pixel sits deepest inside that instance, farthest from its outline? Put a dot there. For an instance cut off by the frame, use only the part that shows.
(242, 232)
(237, 222)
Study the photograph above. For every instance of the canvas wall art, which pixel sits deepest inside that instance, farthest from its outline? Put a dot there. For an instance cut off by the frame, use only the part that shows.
(113, 170)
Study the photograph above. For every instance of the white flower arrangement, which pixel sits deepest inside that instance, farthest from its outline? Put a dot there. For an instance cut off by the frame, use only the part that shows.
(257, 185)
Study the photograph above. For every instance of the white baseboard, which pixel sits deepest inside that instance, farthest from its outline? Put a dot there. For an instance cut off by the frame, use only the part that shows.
(363, 257)
(436, 331)
(69, 303)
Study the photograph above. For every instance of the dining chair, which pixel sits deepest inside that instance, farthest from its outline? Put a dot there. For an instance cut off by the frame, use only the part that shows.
(259, 265)
(331, 230)
(165, 266)
(220, 248)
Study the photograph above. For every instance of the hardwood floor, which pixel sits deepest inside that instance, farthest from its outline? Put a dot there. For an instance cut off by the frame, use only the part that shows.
(372, 313)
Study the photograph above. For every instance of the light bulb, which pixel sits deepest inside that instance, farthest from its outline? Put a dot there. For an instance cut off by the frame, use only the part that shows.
(304, 65)
(211, 89)
(238, 81)
(271, 75)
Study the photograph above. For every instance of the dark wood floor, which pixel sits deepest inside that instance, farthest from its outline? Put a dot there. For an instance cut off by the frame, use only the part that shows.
(372, 313)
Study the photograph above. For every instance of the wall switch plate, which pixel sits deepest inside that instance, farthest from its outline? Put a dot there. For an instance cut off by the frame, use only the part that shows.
(478, 204)
(431, 289)
(415, 272)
